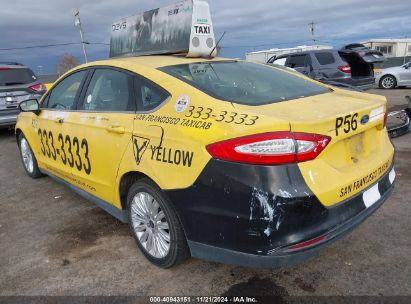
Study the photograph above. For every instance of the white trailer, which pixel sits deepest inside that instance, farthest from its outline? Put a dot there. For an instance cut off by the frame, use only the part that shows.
(263, 56)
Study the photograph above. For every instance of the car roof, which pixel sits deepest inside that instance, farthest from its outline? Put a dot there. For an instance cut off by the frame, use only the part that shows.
(354, 46)
(154, 61)
(309, 52)
(12, 65)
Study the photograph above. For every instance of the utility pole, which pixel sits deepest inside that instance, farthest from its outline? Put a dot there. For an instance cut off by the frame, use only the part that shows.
(311, 24)
(77, 22)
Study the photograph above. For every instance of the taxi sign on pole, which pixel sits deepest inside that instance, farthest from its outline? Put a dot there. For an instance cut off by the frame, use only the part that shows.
(184, 27)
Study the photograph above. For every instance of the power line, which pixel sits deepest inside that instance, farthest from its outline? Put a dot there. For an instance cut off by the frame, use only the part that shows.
(52, 45)
(103, 43)
(38, 46)
(107, 44)
(266, 44)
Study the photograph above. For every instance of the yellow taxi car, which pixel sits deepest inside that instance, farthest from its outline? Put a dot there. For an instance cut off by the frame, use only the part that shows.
(220, 159)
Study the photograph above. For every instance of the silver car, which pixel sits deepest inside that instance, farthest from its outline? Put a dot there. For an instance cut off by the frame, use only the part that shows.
(17, 83)
(392, 77)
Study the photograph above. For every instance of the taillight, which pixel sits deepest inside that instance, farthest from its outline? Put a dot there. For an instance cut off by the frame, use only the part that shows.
(345, 68)
(270, 148)
(38, 87)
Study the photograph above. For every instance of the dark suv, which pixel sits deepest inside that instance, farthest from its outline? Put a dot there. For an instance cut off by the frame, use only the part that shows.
(17, 83)
(331, 66)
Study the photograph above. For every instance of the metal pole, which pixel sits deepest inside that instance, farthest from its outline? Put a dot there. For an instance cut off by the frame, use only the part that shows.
(311, 24)
(78, 23)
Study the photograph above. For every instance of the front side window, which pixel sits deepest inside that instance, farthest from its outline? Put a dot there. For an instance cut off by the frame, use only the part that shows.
(280, 61)
(244, 82)
(63, 95)
(109, 90)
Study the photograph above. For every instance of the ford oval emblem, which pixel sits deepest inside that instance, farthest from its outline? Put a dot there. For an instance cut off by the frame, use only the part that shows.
(365, 119)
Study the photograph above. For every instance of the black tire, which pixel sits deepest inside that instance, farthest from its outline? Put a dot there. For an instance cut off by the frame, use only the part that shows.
(388, 82)
(178, 249)
(35, 172)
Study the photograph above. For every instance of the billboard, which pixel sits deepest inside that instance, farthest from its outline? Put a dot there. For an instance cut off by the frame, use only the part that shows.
(184, 27)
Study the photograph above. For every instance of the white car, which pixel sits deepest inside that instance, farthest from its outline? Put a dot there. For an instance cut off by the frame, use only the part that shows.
(392, 77)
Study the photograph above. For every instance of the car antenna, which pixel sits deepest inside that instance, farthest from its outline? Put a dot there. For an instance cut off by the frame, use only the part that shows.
(216, 45)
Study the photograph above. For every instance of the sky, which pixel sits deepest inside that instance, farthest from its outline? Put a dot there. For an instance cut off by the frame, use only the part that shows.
(249, 25)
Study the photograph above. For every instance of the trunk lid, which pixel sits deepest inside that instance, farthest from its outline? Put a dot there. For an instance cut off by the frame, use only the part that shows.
(11, 97)
(359, 144)
(373, 56)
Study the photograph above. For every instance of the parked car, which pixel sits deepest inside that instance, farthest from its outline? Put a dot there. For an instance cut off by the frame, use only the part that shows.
(330, 66)
(390, 78)
(398, 120)
(220, 159)
(17, 83)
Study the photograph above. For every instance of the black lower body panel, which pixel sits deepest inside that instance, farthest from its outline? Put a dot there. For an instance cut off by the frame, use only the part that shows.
(251, 215)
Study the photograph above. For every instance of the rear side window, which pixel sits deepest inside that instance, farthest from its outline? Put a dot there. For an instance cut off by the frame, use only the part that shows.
(298, 61)
(63, 95)
(244, 82)
(148, 95)
(9, 77)
(325, 58)
(109, 91)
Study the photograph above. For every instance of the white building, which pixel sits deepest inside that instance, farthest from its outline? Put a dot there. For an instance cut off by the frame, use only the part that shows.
(390, 47)
(263, 56)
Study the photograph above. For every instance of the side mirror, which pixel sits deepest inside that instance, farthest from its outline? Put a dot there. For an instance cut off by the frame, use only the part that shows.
(30, 105)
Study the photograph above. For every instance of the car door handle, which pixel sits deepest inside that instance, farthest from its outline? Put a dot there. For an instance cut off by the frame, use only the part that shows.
(116, 129)
(59, 120)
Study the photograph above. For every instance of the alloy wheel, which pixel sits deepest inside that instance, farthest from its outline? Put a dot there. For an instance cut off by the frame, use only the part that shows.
(27, 155)
(388, 82)
(150, 225)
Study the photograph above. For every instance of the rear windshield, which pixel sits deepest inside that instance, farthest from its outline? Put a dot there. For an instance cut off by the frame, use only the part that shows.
(244, 82)
(10, 77)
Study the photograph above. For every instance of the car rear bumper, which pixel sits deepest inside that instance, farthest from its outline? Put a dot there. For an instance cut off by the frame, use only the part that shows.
(281, 257)
(267, 217)
(8, 118)
(361, 83)
(358, 83)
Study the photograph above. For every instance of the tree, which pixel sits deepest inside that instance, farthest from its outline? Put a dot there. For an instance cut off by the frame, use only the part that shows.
(66, 63)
